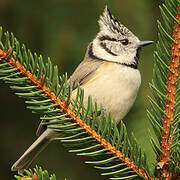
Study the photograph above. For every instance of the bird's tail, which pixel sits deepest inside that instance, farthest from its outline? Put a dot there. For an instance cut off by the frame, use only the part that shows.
(30, 154)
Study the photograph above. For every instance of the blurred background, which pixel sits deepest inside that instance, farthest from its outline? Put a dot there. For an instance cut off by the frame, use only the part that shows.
(61, 30)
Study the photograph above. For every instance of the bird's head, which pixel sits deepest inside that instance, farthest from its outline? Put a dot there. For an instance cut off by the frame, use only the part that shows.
(114, 42)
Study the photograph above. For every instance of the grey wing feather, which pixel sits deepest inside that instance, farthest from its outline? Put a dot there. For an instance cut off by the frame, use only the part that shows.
(84, 70)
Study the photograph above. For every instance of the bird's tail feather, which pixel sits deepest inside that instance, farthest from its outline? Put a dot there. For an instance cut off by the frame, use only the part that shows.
(30, 154)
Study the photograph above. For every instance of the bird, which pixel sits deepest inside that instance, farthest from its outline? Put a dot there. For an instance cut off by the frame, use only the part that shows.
(108, 73)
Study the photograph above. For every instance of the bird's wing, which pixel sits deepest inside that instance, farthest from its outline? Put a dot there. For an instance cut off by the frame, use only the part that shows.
(83, 72)
(81, 75)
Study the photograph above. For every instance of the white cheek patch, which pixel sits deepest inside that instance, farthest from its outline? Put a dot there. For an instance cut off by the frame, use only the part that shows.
(116, 49)
(101, 53)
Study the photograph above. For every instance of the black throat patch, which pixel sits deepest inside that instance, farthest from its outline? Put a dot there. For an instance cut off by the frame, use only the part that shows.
(137, 55)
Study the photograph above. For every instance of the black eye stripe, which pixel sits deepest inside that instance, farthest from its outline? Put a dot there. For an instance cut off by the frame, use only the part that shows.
(103, 38)
(123, 41)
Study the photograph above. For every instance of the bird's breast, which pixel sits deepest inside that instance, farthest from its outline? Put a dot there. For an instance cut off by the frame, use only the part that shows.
(114, 86)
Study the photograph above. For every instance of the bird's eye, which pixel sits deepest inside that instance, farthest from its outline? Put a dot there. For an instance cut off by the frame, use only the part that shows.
(124, 42)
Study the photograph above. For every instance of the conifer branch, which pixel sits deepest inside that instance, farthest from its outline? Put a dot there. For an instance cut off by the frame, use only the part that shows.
(164, 115)
(169, 107)
(37, 174)
(40, 84)
(66, 110)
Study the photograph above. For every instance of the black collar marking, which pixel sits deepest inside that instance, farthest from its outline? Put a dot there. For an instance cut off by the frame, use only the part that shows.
(134, 66)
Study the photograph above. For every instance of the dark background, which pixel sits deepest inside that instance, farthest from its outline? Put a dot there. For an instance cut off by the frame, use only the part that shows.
(62, 29)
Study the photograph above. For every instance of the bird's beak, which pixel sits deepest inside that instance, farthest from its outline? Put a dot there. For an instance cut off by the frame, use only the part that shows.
(145, 43)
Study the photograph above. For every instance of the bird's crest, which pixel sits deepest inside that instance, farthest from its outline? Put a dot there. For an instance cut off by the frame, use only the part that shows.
(108, 22)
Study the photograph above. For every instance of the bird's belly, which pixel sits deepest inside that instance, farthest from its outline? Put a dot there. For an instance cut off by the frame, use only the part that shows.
(115, 89)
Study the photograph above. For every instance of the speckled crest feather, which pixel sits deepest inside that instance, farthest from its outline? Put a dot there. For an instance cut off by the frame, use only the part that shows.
(108, 22)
